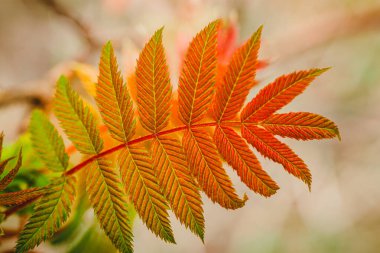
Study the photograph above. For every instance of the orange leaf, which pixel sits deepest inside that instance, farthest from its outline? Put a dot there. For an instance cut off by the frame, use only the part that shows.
(278, 94)
(206, 166)
(113, 98)
(177, 184)
(238, 80)
(227, 41)
(197, 78)
(153, 85)
(277, 151)
(301, 126)
(237, 154)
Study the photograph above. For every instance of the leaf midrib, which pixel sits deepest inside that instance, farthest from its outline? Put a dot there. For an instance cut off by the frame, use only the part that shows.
(199, 73)
(253, 43)
(278, 94)
(126, 243)
(245, 163)
(149, 196)
(177, 180)
(269, 146)
(49, 215)
(207, 165)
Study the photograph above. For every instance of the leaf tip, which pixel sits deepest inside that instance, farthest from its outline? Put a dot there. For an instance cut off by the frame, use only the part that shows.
(320, 71)
(245, 198)
(107, 48)
(62, 80)
(259, 31)
(170, 239)
(202, 237)
(216, 23)
(308, 182)
(158, 34)
(272, 191)
(337, 133)
(108, 44)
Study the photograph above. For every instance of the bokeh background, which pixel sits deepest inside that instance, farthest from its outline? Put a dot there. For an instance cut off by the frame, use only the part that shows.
(41, 39)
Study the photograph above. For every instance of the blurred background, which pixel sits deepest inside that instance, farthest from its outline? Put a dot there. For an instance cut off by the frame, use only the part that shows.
(41, 39)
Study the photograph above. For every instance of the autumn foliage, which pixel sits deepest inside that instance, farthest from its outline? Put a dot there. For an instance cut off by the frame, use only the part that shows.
(161, 161)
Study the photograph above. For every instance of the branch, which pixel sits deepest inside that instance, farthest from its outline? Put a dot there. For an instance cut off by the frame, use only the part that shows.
(105, 153)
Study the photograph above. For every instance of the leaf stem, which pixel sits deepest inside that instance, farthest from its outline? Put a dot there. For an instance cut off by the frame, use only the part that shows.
(122, 145)
(142, 139)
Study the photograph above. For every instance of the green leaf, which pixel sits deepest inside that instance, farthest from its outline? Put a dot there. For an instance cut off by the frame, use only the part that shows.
(47, 143)
(51, 211)
(143, 189)
(110, 203)
(76, 119)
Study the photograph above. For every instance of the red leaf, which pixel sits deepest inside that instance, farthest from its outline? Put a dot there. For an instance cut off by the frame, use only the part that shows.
(237, 154)
(301, 126)
(277, 151)
(205, 164)
(278, 94)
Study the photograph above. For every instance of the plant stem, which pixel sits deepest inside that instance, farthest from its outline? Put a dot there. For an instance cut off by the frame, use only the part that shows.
(122, 145)
(134, 141)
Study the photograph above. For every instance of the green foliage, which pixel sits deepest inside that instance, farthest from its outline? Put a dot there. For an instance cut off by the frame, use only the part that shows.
(110, 203)
(47, 143)
(50, 212)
